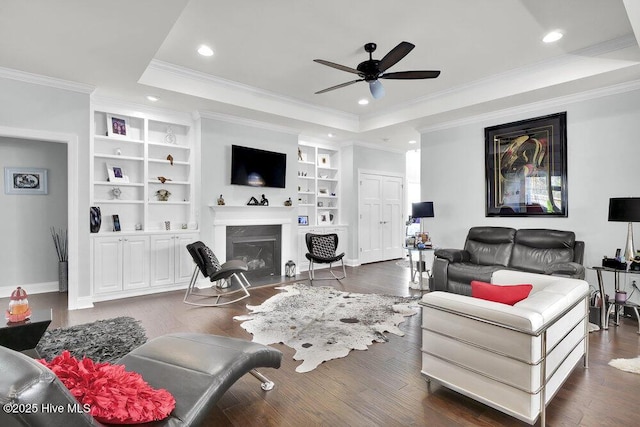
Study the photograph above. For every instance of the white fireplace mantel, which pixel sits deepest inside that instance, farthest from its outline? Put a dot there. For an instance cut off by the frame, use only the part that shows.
(226, 215)
(251, 215)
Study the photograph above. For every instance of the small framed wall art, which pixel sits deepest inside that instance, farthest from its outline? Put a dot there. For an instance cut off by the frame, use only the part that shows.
(116, 126)
(25, 181)
(303, 220)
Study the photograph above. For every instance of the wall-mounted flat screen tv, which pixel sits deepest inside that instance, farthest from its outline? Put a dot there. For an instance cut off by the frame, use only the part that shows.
(258, 168)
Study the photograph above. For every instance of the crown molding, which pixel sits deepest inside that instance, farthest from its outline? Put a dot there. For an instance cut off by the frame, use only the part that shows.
(245, 122)
(41, 80)
(139, 110)
(547, 104)
(157, 72)
(374, 147)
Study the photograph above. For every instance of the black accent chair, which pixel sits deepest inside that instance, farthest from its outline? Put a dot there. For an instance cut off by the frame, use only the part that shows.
(222, 274)
(322, 250)
(197, 369)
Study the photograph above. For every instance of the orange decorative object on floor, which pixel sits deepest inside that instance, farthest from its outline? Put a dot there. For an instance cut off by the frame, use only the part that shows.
(18, 306)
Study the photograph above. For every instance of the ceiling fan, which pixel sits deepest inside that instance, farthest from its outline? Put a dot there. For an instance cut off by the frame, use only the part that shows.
(372, 69)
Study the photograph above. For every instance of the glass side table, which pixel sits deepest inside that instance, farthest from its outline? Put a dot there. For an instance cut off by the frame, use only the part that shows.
(24, 336)
(420, 265)
(614, 307)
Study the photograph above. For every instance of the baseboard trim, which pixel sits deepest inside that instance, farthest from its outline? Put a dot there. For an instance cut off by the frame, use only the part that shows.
(31, 288)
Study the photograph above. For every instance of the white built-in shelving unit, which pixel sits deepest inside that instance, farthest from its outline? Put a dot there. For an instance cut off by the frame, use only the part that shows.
(149, 253)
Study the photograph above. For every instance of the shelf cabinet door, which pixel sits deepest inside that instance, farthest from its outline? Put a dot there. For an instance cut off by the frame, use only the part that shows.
(107, 265)
(184, 262)
(135, 262)
(162, 260)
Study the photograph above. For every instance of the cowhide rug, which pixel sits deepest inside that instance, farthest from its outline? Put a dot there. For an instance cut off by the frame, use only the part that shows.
(322, 323)
(628, 365)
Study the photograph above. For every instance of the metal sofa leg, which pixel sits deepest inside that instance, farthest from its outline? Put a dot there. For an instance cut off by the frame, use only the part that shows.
(267, 384)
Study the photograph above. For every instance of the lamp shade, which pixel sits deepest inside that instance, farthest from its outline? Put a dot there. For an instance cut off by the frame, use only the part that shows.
(422, 210)
(624, 209)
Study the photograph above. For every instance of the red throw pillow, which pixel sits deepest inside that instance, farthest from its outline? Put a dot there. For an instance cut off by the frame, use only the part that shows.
(505, 294)
(111, 394)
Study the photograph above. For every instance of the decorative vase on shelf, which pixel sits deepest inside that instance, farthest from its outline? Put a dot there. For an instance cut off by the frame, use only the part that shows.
(95, 219)
(170, 137)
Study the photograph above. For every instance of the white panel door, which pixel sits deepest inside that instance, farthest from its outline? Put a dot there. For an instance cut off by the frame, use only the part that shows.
(381, 220)
(370, 221)
(135, 265)
(392, 219)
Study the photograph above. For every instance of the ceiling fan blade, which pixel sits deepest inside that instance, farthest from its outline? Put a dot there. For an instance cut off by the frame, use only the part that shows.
(376, 88)
(411, 75)
(337, 66)
(339, 86)
(395, 55)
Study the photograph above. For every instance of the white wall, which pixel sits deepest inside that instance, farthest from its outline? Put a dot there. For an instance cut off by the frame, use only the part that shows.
(65, 112)
(603, 154)
(217, 137)
(27, 253)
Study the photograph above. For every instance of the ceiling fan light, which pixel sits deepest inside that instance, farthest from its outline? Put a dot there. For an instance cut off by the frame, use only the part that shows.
(376, 88)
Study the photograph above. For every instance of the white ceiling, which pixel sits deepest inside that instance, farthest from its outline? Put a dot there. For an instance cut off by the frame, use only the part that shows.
(489, 51)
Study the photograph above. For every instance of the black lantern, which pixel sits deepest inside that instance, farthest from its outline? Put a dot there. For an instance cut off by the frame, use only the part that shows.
(290, 269)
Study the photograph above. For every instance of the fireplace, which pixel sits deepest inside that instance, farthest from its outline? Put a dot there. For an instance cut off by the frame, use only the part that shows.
(260, 246)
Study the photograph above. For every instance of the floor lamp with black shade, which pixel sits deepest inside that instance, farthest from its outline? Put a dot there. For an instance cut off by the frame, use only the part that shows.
(626, 209)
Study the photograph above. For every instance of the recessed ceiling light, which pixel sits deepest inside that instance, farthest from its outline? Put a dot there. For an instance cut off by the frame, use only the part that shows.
(413, 141)
(330, 135)
(552, 36)
(152, 98)
(205, 50)
(363, 101)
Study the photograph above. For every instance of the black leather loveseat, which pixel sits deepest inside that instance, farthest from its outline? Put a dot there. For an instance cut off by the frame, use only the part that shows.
(196, 369)
(488, 249)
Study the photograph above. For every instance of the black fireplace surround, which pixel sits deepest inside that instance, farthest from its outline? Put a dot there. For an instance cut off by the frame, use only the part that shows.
(260, 246)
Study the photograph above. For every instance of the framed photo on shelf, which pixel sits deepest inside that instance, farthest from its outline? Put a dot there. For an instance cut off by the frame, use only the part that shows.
(303, 220)
(324, 161)
(324, 218)
(25, 181)
(116, 174)
(526, 167)
(116, 223)
(116, 126)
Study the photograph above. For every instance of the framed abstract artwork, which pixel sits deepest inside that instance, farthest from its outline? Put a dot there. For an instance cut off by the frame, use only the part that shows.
(526, 167)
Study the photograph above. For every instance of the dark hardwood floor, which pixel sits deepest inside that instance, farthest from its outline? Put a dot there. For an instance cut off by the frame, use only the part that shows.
(381, 386)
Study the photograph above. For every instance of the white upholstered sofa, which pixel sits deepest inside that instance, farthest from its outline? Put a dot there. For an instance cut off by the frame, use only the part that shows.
(512, 358)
